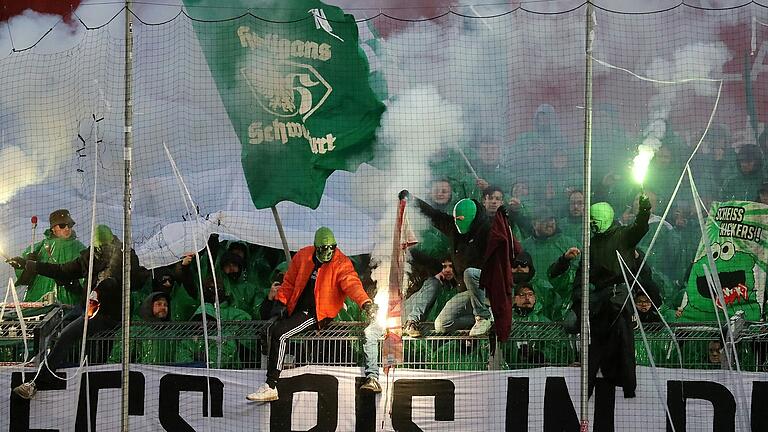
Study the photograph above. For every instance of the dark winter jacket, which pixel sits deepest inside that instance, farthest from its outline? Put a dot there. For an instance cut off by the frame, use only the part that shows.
(107, 277)
(467, 250)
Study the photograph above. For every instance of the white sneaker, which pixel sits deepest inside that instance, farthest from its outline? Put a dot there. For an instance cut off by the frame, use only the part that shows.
(481, 326)
(26, 390)
(265, 393)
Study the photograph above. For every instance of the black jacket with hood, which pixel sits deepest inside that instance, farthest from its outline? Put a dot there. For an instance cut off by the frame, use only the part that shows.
(467, 250)
(107, 275)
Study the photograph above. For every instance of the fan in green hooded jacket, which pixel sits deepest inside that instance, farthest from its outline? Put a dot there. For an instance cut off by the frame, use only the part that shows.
(59, 246)
(193, 350)
(734, 233)
(150, 345)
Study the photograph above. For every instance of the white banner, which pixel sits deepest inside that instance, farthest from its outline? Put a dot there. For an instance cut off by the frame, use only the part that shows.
(326, 399)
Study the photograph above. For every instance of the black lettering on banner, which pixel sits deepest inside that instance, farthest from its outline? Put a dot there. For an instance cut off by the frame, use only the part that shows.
(759, 401)
(20, 412)
(605, 404)
(327, 389)
(559, 413)
(444, 392)
(172, 385)
(365, 408)
(95, 381)
(721, 398)
(517, 405)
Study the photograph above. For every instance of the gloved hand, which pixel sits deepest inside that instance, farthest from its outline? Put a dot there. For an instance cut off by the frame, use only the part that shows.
(279, 310)
(644, 204)
(32, 256)
(404, 194)
(371, 309)
(19, 263)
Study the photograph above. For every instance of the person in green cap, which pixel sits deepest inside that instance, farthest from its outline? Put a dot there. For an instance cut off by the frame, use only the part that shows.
(104, 304)
(612, 338)
(60, 245)
(318, 280)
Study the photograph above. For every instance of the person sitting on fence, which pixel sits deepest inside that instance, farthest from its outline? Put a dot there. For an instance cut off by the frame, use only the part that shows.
(318, 279)
(104, 308)
(159, 348)
(430, 299)
(372, 333)
(59, 245)
(467, 231)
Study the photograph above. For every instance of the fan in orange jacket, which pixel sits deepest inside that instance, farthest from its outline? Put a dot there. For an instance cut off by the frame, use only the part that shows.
(318, 280)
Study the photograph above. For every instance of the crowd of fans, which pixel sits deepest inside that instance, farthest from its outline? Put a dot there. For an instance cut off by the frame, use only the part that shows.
(537, 182)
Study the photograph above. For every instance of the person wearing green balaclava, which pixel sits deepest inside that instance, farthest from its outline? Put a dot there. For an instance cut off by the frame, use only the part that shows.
(104, 307)
(467, 230)
(612, 338)
(312, 293)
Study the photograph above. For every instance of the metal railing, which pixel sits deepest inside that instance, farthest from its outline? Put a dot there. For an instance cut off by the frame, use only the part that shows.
(42, 324)
(341, 344)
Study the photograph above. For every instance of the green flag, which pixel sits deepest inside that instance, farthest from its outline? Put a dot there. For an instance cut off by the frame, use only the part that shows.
(735, 236)
(294, 82)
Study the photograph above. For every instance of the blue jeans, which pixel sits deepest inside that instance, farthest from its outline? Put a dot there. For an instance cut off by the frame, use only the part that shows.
(373, 333)
(417, 305)
(460, 311)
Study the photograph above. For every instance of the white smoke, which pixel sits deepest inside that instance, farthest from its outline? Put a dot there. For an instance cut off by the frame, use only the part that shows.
(693, 67)
(418, 126)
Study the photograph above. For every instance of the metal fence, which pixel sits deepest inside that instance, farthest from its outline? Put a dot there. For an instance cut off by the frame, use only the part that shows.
(693, 346)
(42, 324)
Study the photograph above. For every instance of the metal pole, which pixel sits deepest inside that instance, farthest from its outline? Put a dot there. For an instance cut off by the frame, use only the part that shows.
(584, 410)
(280, 231)
(127, 242)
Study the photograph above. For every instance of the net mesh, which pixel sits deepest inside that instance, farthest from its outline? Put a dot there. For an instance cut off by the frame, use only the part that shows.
(486, 105)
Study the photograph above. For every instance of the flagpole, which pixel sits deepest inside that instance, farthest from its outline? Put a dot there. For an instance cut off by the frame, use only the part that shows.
(280, 231)
(585, 336)
(127, 242)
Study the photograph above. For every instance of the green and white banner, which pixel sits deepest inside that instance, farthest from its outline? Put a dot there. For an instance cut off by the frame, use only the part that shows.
(295, 86)
(735, 232)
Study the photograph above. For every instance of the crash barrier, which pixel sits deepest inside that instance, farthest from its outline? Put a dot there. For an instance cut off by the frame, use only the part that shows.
(41, 323)
(699, 346)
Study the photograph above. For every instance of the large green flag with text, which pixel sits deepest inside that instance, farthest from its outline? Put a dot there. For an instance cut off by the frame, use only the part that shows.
(294, 82)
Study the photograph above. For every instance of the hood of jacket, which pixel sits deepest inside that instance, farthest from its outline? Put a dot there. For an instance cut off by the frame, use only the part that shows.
(145, 311)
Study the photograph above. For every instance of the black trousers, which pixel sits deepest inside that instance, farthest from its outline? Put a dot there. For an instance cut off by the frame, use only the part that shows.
(71, 335)
(279, 333)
